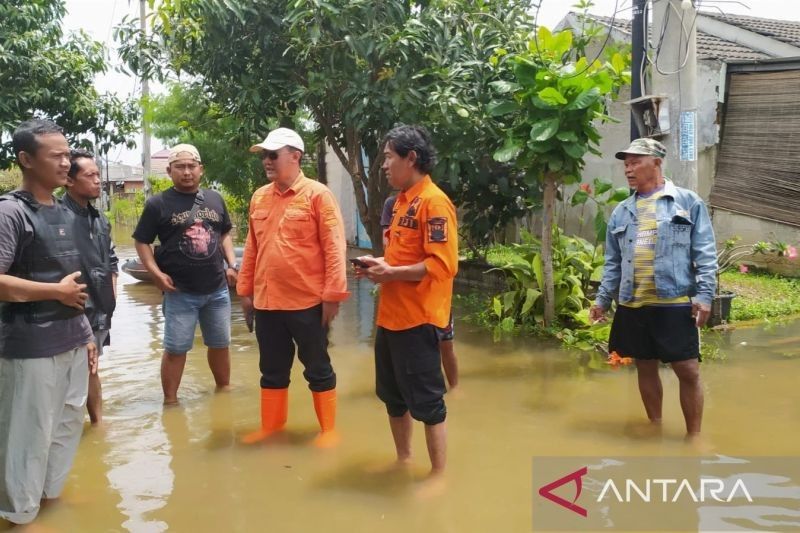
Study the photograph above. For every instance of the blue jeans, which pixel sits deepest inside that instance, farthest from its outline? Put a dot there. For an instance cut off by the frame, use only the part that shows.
(183, 310)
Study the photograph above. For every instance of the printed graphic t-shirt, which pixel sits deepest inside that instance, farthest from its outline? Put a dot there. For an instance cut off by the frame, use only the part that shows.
(644, 282)
(191, 254)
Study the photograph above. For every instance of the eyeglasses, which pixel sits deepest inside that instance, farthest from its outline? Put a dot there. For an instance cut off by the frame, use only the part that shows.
(269, 154)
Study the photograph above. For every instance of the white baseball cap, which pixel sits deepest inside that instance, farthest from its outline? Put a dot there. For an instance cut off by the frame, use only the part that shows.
(279, 138)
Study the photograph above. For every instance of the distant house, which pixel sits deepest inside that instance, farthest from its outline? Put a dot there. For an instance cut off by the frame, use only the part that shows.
(158, 163)
(748, 123)
(121, 178)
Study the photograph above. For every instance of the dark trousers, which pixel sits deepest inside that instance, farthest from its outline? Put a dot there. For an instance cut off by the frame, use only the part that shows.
(408, 373)
(277, 333)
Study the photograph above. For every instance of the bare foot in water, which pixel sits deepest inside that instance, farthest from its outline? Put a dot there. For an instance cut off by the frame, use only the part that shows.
(644, 429)
(432, 486)
(698, 443)
(170, 402)
(222, 388)
(399, 465)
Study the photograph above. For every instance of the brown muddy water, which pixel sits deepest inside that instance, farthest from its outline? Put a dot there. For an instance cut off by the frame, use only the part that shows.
(181, 469)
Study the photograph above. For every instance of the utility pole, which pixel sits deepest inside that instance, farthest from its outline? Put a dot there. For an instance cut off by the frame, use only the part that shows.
(638, 44)
(145, 103)
(675, 75)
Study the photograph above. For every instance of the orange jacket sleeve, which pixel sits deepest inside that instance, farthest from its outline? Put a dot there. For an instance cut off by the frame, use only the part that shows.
(244, 283)
(334, 248)
(441, 240)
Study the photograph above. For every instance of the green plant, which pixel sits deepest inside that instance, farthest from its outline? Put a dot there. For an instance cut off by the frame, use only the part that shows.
(732, 252)
(604, 197)
(10, 179)
(554, 98)
(49, 73)
(576, 265)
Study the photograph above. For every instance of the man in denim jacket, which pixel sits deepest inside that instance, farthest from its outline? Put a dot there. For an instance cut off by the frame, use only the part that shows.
(660, 268)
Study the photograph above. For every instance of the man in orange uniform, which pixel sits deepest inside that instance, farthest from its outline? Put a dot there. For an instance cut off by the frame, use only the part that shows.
(416, 277)
(293, 277)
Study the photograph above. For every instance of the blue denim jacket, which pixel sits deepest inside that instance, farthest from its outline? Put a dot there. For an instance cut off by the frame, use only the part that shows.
(686, 251)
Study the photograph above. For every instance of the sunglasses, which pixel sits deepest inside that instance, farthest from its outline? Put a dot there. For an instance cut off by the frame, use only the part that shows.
(269, 154)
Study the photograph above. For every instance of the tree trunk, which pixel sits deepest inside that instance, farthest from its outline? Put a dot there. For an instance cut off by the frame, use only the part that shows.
(550, 186)
(322, 165)
(369, 185)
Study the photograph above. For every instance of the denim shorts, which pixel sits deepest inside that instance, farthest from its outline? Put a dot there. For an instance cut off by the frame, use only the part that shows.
(183, 310)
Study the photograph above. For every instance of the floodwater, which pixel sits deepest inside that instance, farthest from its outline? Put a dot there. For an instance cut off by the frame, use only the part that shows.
(181, 469)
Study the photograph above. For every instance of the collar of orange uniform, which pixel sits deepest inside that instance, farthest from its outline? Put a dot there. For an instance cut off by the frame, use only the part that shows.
(413, 191)
(298, 184)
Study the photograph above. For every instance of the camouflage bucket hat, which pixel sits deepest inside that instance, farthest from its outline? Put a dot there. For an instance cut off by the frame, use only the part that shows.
(643, 146)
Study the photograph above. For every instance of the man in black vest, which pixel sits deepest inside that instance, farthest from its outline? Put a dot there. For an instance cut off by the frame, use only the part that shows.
(46, 348)
(98, 260)
(193, 228)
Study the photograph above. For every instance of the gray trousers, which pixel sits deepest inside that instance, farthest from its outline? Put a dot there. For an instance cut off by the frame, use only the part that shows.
(41, 419)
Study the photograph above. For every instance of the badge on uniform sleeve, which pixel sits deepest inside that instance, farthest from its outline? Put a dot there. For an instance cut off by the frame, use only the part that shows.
(437, 229)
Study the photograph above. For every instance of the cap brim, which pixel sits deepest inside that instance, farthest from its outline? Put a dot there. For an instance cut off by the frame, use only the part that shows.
(267, 146)
(621, 155)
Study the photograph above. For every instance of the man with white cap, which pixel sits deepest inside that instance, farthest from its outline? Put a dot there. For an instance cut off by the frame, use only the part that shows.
(293, 278)
(193, 228)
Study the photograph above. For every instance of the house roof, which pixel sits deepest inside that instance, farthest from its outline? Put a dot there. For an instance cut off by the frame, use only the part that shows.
(709, 46)
(161, 154)
(787, 31)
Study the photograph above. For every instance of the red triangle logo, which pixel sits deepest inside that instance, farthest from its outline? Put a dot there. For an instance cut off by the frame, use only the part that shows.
(574, 477)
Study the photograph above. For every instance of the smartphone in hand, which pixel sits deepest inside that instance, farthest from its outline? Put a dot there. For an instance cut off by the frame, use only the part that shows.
(359, 263)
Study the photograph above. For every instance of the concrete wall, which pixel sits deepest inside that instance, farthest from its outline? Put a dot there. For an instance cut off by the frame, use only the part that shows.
(341, 185)
(728, 224)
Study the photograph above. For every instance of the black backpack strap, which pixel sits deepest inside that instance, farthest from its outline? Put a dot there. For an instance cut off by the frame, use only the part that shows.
(199, 200)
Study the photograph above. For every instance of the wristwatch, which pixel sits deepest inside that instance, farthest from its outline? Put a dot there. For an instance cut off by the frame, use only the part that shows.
(235, 266)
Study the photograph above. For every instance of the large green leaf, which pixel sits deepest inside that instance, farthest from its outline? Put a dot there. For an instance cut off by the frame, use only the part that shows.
(601, 186)
(574, 150)
(585, 99)
(561, 42)
(503, 87)
(567, 136)
(509, 151)
(509, 301)
(525, 73)
(499, 108)
(600, 226)
(620, 193)
(579, 198)
(551, 96)
(544, 129)
(538, 270)
(531, 296)
(497, 307)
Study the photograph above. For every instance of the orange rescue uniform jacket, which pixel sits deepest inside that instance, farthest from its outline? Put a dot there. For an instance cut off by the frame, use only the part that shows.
(295, 255)
(423, 230)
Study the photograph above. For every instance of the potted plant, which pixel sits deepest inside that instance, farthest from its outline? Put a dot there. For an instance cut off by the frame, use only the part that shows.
(729, 256)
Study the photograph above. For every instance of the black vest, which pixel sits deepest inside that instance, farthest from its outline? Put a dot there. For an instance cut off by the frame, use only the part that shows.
(48, 258)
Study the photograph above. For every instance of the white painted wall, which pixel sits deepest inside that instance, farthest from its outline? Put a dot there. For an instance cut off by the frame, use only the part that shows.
(341, 185)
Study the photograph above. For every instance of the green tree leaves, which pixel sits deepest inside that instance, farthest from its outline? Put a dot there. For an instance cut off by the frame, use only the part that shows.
(44, 73)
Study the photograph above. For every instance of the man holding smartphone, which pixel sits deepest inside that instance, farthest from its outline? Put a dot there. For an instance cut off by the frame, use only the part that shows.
(416, 277)
(293, 278)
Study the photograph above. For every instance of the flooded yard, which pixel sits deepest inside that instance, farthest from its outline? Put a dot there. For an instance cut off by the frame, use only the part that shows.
(182, 469)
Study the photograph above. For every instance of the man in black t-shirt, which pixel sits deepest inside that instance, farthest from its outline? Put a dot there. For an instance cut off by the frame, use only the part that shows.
(193, 229)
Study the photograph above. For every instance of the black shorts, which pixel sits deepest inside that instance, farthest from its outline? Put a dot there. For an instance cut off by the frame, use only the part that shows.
(408, 373)
(448, 332)
(667, 333)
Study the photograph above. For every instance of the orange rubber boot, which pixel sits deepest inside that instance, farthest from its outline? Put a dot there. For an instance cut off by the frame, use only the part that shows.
(325, 406)
(274, 410)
